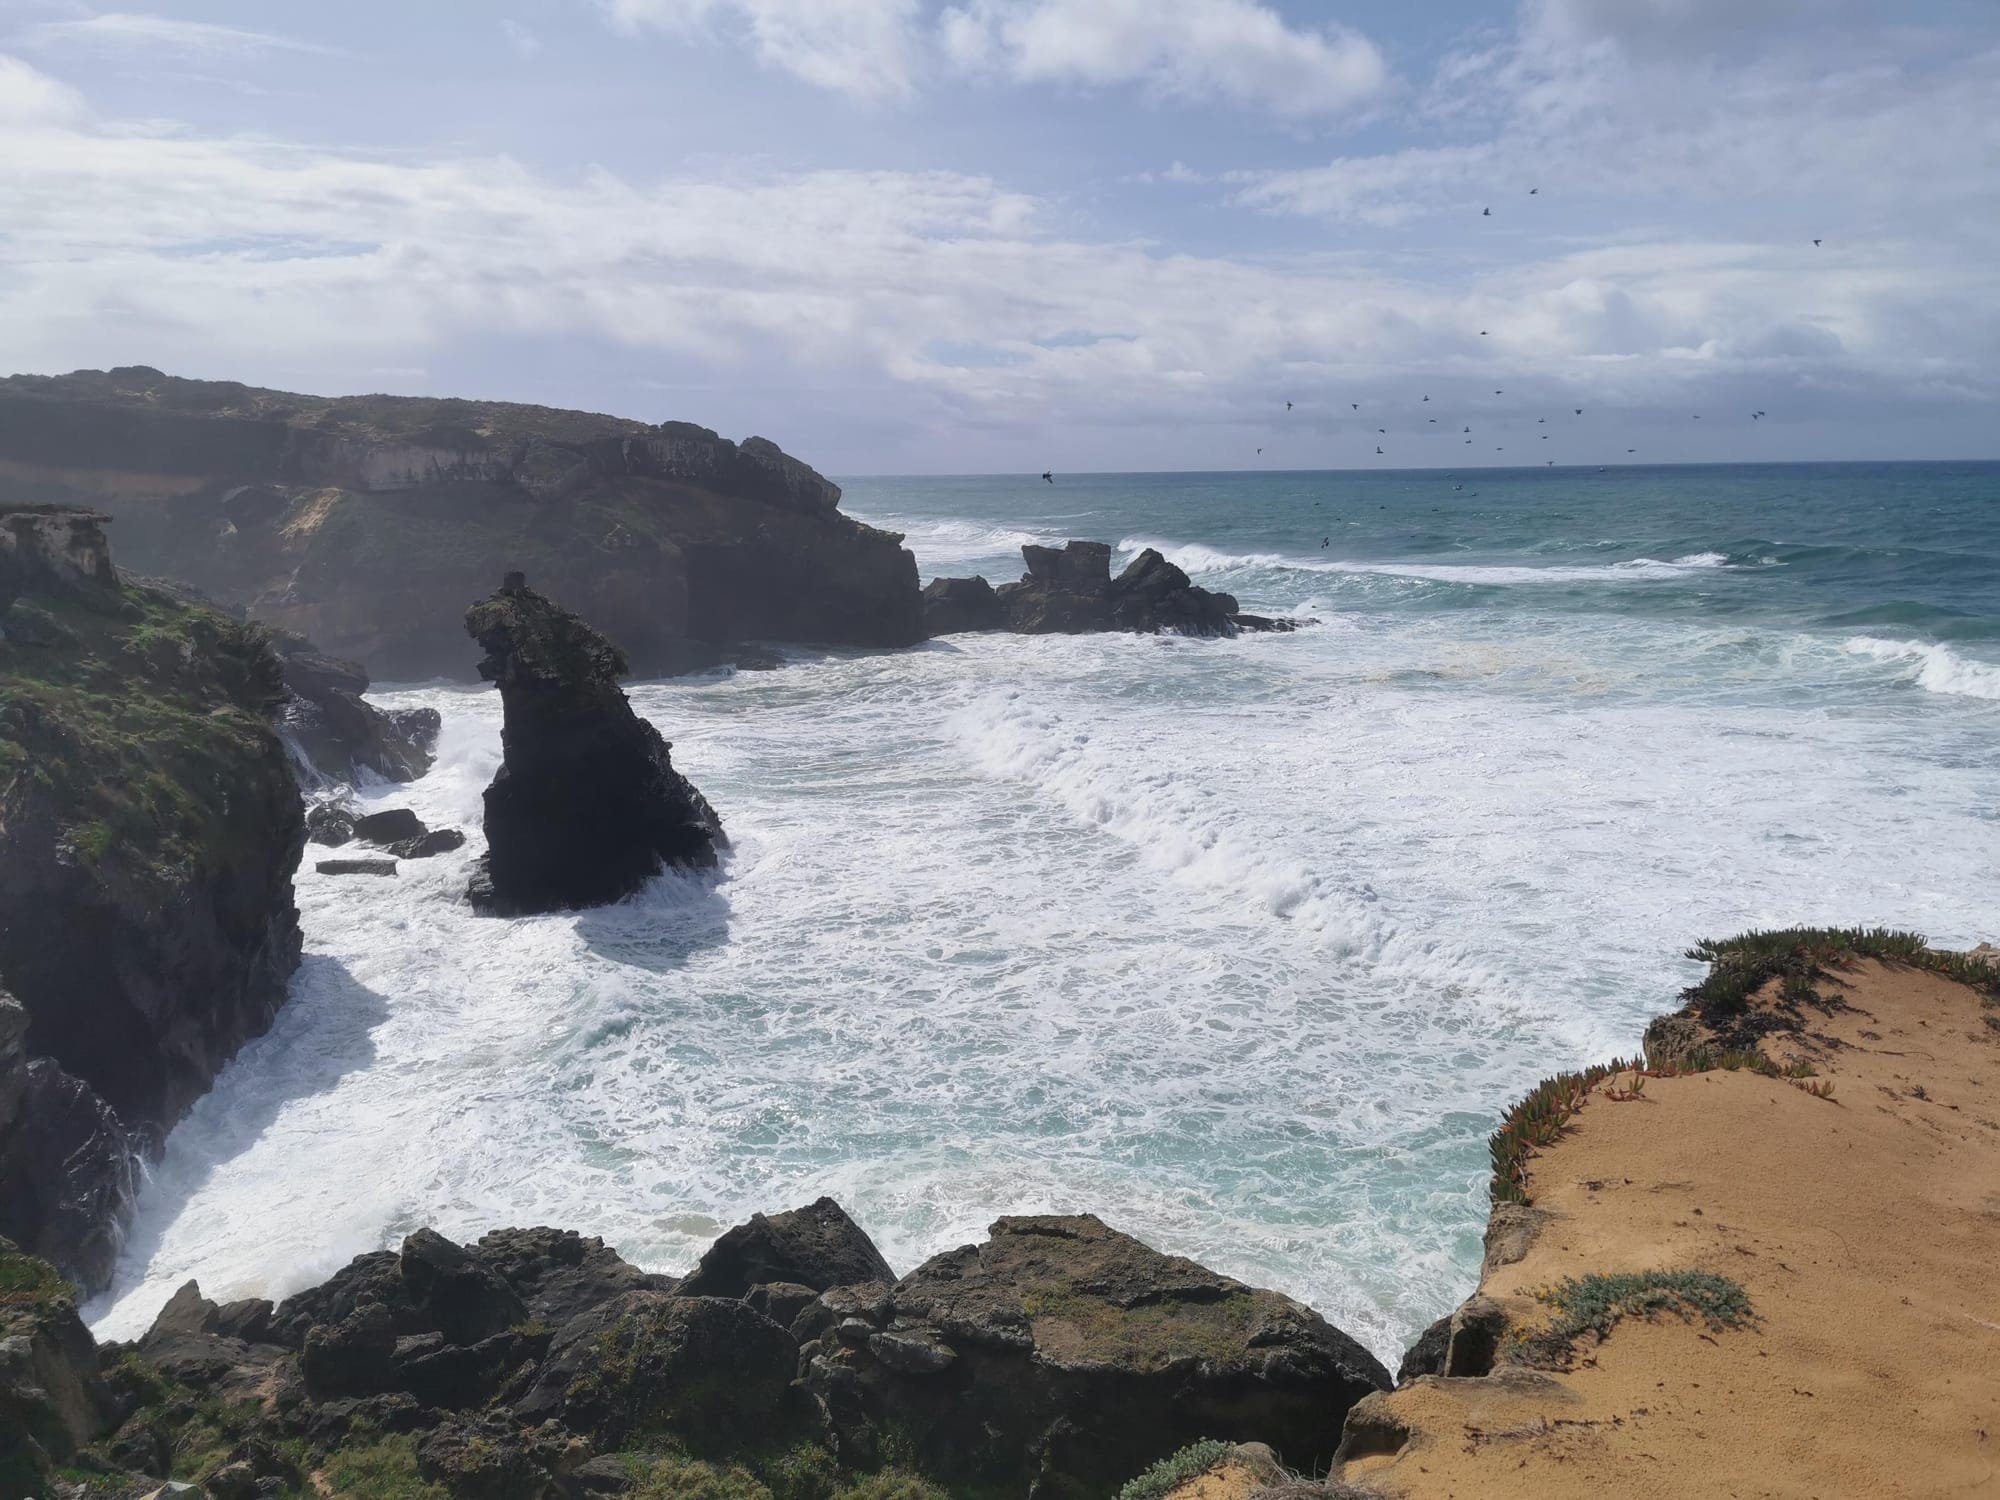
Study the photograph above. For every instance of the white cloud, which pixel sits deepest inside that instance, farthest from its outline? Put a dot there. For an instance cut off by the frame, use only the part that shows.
(524, 42)
(28, 96)
(1239, 51)
(126, 31)
(862, 48)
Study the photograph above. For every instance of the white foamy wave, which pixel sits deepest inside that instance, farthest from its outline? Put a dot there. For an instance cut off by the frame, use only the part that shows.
(1193, 558)
(936, 543)
(1936, 668)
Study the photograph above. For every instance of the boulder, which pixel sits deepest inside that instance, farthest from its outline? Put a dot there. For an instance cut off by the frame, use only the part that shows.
(1427, 1355)
(355, 866)
(1062, 1357)
(489, 1458)
(421, 726)
(817, 1246)
(327, 721)
(354, 1357)
(330, 823)
(711, 1372)
(425, 845)
(388, 826)
(587, 805)
(955, 605)
(558, 1273)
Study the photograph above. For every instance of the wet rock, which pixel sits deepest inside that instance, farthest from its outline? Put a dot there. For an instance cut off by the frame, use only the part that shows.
(425, 845)
(353, 1357)
(355, 866)
(953, 606)
(587, 805)
(421, 726)
(339, 733)
(330, 823)
(388, 826)
(69, 1167)
(707, 1370)
(1061, 1358)
(817, 1246)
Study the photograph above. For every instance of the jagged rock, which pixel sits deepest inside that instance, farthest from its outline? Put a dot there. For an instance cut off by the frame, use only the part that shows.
(488, 1458)
(464, 1299)
(330, 823)
(150, 825)
(1070, 591)
(355, 866)
(702, 1368)
(339, 734)
(52, 1399)
(817, 1246)
(426, 845)
(359, 521)
(955, 605)
(421, 726)
(587, 805)
(354, 1357)
(1427, 1355)
(558, 1273)
(781, 1301)
(389, 825)
(1061, 1358)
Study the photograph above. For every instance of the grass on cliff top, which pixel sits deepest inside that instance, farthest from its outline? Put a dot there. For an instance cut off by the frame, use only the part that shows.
(1596, 1304)
(138, 716)
(384, 1470)
(1176, 1469)
(28, 1281)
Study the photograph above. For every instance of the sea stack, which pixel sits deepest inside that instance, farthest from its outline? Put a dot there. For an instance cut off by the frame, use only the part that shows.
(587, 806)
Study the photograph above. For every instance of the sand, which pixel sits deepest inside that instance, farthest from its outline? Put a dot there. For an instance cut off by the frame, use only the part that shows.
(1865, 1228)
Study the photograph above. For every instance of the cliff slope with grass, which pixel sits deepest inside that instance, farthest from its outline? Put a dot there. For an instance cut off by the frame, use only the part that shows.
(150, 823)
(364, 522)
(1759, 1263)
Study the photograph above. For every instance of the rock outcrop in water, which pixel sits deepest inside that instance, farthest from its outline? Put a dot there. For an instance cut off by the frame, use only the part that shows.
(535, 1364)
(358, 522)
(1070, 591)
(587, 805)
(150, 823)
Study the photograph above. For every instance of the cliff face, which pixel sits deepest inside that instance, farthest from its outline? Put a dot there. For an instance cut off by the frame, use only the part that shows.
(360, 521)
(149, 827)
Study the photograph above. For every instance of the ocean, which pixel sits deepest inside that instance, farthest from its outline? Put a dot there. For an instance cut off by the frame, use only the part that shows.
(1241, 945)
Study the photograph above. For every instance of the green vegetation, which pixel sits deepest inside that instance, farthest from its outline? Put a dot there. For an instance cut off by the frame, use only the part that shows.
(1798, 956)
(384, 1470)
(1175, 1470)
(805, 1471)
(28, 1281)
(137, 722)
(1595, 1304)
(1537, 1122)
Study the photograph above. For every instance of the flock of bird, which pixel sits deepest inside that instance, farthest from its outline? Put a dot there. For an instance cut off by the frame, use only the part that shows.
(1487, 212)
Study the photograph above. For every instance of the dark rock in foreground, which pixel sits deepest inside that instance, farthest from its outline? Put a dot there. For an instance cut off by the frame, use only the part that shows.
(1057, 1360)
(587, 805)
(339, 734)
(1070, 591)
(1061, 1358)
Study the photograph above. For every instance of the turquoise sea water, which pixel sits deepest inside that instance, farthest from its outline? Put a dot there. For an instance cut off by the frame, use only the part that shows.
(1241, 944)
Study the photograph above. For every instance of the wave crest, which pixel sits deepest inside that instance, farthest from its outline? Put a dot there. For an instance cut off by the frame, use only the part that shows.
(1937, 668)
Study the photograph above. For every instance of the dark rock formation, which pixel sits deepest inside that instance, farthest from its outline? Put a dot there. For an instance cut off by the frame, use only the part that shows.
(331, 823)
(150, 823)
(339, 734)
(587, 805)
(1427, 1355)
(1070, 591)
(357, 521)
(52, 1398)
(389, 825)
(425, 845)
(355, 867)
(1061, 1357)
(817, 1246)
(953, 606)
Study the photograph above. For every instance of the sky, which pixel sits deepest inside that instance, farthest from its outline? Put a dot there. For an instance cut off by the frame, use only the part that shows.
(953, 236)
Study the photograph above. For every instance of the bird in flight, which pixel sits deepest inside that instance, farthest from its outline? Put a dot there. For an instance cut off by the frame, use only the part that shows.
(1815, 242)
(1482, 333)
(1433, 421)
(1533, 191)
(1468, 429)
(1541, 419)
(1631, 450)
(1579, 411)
(1383, 430)
(1048, 476)
(1427, 398)
(1260, 450)
(1499, 393)
(1288, 406)
(1378, 448)
(1355, 404)
(1550, 462)
(1487, 213)
(1325, 542)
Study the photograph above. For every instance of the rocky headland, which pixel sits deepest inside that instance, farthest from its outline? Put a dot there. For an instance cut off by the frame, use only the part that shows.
(150, 823)
(587, 805)
(362, 522)
(1069, 590)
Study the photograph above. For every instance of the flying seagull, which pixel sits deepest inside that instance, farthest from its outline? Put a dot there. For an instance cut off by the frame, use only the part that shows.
(1541, 419)
(1383, 430)
(1355, 404)
(1482, 333)
(1815, 242)
(1550, 462)
(1378, 448)
(1579, 411)
(1049, 476)
(1433, 421)
(1533, 191)
(1325, 542)
(1260, 450)
(1468, 429)
(1631, 450)
(1427, 398)
(1487, 213)
(1499, 393)
(1288, 406)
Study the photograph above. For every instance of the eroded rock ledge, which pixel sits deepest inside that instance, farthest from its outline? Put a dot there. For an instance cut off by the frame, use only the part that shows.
(1051, 1361)
(1070, 591)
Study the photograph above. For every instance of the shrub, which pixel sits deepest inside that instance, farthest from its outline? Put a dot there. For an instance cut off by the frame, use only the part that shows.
(1595, 1304)
(1175, 1470)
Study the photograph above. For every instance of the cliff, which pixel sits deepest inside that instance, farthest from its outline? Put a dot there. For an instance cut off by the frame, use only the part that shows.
(362, 521)
(1761, 1263)
(150, 823)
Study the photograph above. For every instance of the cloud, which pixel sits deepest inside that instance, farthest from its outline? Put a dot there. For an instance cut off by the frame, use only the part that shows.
(1237, 51)
(863, 48)
(524, 42)
(30, 97)
(127, 31)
